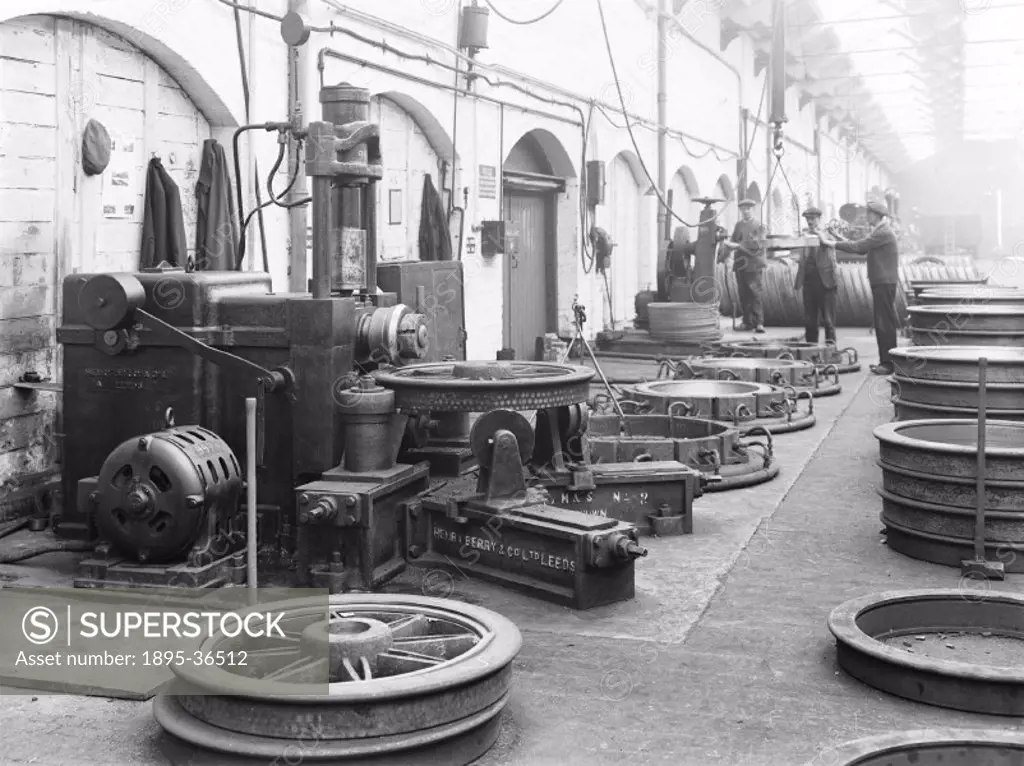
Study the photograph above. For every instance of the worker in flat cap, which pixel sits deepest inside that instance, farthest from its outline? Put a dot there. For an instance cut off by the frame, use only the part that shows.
(749, 263)
(816, 280)
(881, 251)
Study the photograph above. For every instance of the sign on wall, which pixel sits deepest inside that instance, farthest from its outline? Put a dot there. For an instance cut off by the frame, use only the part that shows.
(120, 189)
(487, 182)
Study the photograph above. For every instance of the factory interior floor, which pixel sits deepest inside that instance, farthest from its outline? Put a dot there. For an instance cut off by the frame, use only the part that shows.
(724, 656)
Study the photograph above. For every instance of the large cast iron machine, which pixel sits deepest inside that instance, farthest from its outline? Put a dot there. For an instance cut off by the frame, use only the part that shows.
(142, 350)
(364, 456)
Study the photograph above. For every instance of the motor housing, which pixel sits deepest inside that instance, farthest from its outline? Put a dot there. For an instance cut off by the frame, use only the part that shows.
(156, 494)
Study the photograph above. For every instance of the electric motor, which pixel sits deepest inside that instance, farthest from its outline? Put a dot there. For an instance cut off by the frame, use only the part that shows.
(155, 493)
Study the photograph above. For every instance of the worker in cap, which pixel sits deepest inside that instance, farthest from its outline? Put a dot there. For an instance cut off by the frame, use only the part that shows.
(880, 249)
(748, 265)
(816, 280)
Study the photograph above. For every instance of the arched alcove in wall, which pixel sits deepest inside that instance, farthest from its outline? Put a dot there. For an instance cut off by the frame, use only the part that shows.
(684, 189)
(541, 150)
(414, 145)
(754, 192)
(728, 213)
(534, 174)
(624, 221)
(177, 67)
(58, 73)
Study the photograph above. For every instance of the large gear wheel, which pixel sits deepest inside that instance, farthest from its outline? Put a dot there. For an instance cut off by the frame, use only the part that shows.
(486, 386)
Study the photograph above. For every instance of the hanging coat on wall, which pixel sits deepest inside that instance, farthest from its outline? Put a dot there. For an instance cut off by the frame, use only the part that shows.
(163, 226)
(435, 237)
(216, 228)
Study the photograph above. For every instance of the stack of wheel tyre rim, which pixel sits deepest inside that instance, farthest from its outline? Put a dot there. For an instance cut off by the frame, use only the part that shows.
(942, 382)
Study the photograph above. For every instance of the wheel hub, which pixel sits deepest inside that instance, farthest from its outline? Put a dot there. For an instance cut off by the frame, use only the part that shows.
(352, 645)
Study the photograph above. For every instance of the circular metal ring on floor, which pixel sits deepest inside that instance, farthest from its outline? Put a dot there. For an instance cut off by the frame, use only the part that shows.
(377, 678)
(744, 475)
(845, 360)
(738, 458)
(816, 380)
(861, 625)
(800, 421)
(928, 747)
(736, 403)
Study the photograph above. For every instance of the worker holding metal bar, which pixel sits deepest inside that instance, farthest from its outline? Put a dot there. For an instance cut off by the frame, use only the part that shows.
(816, 279)
(881, 251)
(749, 264)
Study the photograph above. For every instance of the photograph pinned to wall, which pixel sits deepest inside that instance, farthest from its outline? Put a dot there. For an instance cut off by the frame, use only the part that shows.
(120, 186)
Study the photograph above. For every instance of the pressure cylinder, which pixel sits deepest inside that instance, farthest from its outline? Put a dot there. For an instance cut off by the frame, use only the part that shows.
(367, 409)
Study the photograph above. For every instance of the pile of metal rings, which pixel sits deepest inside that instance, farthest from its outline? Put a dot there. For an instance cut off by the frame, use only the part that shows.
(986, 316)
(929, 489)
(684, 322)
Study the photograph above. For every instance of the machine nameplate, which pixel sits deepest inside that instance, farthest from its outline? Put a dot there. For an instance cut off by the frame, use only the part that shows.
(473, 548)
(124, 379)
(617, 497)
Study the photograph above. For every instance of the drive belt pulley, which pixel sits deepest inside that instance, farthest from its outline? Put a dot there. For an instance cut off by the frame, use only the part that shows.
(486, 386)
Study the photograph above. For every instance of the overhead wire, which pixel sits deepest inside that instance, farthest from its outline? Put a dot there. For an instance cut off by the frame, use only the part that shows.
(525, 22)
(629, 128)
(672, 133)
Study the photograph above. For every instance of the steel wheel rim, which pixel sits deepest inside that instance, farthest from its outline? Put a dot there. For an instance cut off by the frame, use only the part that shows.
(174, 719)
(892, 434)
(485, 624)
(862, 752)
(843, 623)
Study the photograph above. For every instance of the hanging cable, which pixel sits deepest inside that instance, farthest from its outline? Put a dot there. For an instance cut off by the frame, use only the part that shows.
(629, 128)
(256, 170)
(527, 22)
(586, 256)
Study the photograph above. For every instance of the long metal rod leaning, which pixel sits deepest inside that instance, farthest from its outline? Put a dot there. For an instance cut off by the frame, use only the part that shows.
(250, 494)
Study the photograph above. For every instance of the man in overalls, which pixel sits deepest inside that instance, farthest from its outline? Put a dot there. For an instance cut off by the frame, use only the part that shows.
(749, 263)
(816, 279)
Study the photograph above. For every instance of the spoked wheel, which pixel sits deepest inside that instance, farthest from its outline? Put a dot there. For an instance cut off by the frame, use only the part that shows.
(357, 679)
(486, 386)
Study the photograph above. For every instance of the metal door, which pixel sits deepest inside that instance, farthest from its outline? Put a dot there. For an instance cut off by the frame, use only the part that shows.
(526, 256)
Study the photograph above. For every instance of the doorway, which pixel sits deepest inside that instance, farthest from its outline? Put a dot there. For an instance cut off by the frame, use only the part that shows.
(528, 266)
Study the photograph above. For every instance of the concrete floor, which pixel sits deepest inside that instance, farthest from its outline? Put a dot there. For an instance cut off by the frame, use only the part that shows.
(723, 657)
